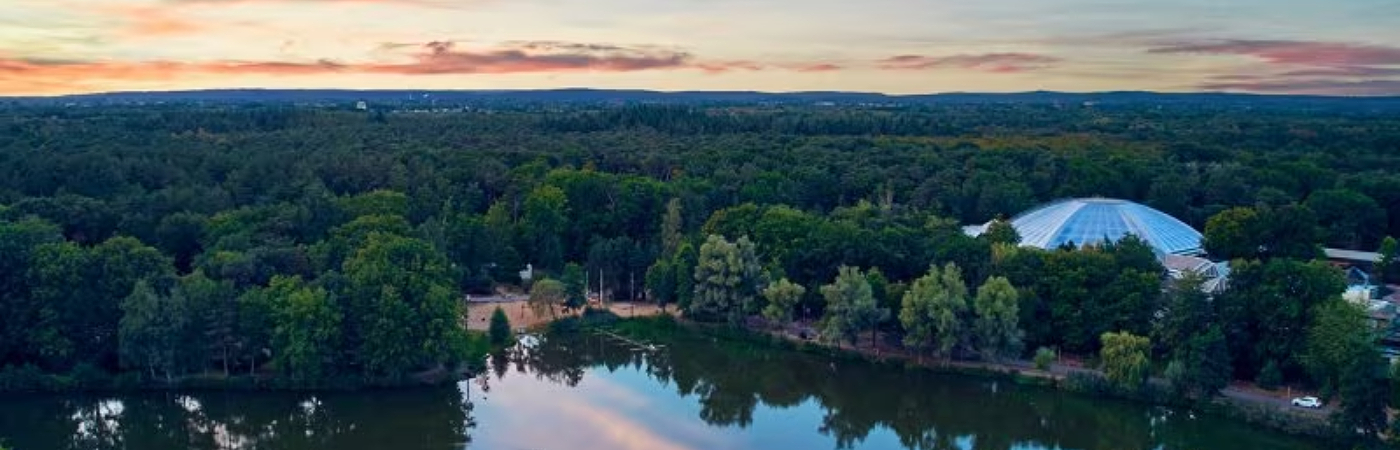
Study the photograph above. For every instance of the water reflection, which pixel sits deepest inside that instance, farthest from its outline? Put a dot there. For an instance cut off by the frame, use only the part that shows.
(432, 418)
(589, 391)
(748, 396)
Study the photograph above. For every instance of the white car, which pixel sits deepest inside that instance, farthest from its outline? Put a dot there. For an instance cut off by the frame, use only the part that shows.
(1307, 402)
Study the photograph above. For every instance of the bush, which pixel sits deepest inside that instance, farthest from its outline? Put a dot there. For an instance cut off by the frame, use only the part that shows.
(87, 377)
(500, 327)
(26, 378)
(1088, 383)
(1270, 377)
(1044, 356)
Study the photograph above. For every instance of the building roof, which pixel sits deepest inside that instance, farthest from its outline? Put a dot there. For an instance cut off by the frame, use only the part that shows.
(1082, 221)
(1352, 255)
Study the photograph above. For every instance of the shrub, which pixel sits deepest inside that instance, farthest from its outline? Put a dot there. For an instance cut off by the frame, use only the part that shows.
(1044, 356)
(87, 377)
(26, 378)
(1088, 383)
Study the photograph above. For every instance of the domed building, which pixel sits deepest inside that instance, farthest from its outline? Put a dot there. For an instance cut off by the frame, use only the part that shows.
(1083, 221)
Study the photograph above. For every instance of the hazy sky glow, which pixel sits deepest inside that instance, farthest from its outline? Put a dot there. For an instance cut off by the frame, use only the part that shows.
(1345, 47)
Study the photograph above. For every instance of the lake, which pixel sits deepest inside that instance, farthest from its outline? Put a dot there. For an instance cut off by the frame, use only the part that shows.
(589, 391)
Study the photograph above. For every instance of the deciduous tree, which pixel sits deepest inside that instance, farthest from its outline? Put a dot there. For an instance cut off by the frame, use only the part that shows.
(546, 295)
(850, 306)
(574, 296)
(1339, 331)
(997, 310)
(151, 328)
(404, 313)
(727, 278)
(306, 331)
(1124, 358)
(782, 297)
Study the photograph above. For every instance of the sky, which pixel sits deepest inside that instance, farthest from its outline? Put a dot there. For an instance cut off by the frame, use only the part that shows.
(1327, 47)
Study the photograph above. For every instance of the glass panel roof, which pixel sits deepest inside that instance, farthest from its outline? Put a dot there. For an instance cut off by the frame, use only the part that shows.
(1091, 220)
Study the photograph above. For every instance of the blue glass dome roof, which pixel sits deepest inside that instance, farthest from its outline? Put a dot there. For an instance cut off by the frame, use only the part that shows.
(1084, 221)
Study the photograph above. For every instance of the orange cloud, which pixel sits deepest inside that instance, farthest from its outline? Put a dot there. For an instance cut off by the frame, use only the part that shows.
(149, 21)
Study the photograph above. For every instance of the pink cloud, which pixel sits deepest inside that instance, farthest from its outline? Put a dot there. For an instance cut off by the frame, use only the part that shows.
(816, 67)
(431, 58)
(1302, 53)
(986, 62)
(443, 57)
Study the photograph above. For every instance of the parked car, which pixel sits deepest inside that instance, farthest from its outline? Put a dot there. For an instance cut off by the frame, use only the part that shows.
(1307, 402)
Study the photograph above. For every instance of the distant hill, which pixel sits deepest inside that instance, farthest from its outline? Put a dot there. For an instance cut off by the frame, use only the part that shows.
(601, 96)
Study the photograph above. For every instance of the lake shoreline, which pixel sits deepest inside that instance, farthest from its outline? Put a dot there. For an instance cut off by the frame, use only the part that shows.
(1284, 421)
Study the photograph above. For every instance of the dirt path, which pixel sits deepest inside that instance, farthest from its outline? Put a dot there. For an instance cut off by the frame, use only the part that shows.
(521, 316)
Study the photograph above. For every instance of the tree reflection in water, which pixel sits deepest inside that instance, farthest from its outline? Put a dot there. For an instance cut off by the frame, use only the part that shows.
(735, 389)
(440, 418)
(730, 380)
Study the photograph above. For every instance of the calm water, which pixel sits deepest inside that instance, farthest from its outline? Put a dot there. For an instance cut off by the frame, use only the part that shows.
(591, 392)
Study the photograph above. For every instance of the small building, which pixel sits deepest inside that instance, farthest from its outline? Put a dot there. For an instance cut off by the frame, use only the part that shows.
(1352, 258)
(1213, 273)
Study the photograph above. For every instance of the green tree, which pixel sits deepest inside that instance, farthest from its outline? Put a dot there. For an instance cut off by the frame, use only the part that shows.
(214, 315)
(574, 284)
(1268, 308)
(1233, 233)
(254, 330)
(782, 297)
(1124, 359)
(1185, 310)
(404, 313)
(1388, 269)
(378, 202)
(1364, 390)
(727, 278)
(1339, 331)
(850, 306)
(684, 265)
(1345, 216)
(181, 235)
(543, 223)
(306, 329)
(1001, 231)
(997, 310)
(545, 296)
(661, 282)
(500, 327)
(932, 310)
(1205, 364)
(151, 328)
(18, 324)
(671, 224)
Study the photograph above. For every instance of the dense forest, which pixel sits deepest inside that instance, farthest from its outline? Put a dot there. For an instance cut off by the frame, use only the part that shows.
(162, 241)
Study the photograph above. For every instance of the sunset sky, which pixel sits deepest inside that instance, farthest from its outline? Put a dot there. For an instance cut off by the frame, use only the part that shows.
(1345, 47)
